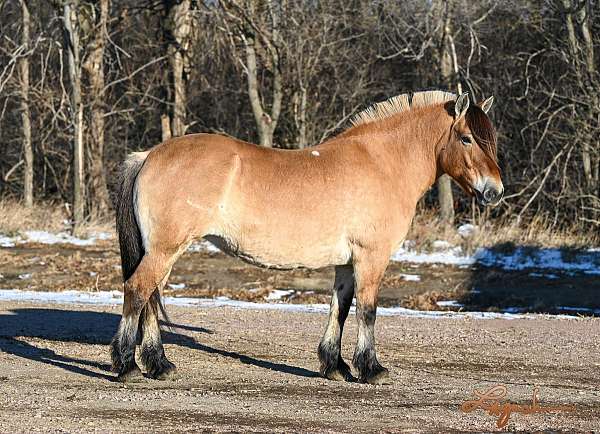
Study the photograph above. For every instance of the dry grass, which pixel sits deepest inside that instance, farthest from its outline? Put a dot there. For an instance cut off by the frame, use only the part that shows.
(51, 217)
(426, 228)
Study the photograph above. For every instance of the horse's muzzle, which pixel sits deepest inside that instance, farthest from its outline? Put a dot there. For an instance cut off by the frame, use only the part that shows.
(491, 195)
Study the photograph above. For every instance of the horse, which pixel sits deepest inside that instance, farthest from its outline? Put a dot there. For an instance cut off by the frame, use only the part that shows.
(347, 202)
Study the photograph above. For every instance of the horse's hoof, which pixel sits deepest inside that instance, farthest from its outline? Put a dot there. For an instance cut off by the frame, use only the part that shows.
(337, 375)
(341, 373)
(381, 376)
(167, 371)
(133, 375)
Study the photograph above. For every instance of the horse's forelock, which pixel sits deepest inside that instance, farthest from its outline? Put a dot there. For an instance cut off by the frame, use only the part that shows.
(483, 131)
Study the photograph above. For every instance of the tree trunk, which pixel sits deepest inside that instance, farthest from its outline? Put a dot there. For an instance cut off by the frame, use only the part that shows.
(179, 29)
(263, 120)
(94, 67)
(590, 169)
(74, 70)
(25, 112)
(165, 127)
(256, 36)
(447, 70)
(300, 116)
(587, 51)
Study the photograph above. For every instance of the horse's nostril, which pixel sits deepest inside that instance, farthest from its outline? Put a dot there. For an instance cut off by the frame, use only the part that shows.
(490, 194)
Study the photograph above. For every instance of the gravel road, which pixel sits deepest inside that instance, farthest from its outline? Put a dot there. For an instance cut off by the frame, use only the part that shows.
(256, 370)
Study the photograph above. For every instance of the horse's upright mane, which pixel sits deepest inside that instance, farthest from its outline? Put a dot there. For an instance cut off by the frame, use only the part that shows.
(400, 103)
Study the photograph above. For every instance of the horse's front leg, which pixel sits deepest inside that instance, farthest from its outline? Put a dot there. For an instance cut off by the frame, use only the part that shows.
(368, 270)
(332, 365)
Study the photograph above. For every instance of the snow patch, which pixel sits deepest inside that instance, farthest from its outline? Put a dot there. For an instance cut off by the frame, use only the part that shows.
(278, 294)
(466, 230)
(6, 241)
(116, 298)
(441, 245)
(176, 285)
(411, 277)
(452, 256)
(44, 237)
(523, 258)
(449, 303)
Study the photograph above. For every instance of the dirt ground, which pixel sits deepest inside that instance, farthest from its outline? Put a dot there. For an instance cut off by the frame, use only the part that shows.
(256, 371)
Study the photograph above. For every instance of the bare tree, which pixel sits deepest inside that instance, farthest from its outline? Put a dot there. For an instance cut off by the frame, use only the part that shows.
(71, 31)
(448, 70)
(581, 48)
(25, 112)
(94, 66)
(256, 25)
(178, 29)
(292, 73)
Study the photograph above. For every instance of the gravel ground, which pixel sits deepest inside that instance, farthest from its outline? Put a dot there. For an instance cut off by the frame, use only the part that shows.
(247, 370)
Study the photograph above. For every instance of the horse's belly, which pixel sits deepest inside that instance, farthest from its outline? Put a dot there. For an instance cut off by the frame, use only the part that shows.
(283, 255)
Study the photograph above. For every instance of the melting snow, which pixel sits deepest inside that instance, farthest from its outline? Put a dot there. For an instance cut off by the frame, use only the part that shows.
(441, 245)
(44, 237)
(449, 303)
(452, 256)
(278, 294)
(411, 277)
(466, 230)
(521, 258)
(587, 261)
(116, 298)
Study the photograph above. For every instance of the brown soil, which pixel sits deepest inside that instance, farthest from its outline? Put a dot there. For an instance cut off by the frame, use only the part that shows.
(246, 370)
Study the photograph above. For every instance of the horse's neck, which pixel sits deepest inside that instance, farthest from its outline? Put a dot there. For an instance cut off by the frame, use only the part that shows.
(408, 144)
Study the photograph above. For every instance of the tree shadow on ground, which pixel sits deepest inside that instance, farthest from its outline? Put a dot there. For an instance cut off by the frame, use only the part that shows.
(89, 327)
(527, 284)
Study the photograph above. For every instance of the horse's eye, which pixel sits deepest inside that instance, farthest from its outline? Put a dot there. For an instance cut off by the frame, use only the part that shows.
(465, 140)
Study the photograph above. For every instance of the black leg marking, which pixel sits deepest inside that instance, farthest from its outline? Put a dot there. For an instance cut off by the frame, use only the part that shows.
(365, 359)
(123, 343)
(123, 350)
(332, 365)
(152, 352)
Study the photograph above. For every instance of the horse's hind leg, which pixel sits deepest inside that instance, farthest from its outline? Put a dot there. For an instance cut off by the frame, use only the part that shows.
(332, 365)
(152, 353)
(137, 290)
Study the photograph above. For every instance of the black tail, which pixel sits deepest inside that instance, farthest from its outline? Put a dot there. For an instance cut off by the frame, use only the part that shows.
(130, 237)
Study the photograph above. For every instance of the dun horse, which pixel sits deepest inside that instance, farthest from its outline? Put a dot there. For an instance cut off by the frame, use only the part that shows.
(347, 202)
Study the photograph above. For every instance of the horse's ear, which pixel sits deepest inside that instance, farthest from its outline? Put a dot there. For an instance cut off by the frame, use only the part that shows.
(461, 105)
(487, 104)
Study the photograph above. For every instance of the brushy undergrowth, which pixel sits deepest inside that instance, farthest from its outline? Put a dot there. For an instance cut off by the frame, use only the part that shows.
(46, 216)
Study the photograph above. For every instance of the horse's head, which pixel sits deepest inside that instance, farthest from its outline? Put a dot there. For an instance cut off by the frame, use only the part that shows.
(469, 156)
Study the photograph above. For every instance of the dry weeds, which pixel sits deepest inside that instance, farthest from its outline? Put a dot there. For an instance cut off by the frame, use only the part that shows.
(426, 228)
(46, 216)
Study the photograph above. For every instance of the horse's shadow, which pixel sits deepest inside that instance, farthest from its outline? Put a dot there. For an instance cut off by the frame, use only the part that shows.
(89, 327)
